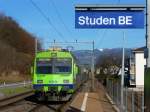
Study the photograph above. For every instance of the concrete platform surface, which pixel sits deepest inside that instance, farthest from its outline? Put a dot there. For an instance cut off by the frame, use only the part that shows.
(96, 101)
(87, 102)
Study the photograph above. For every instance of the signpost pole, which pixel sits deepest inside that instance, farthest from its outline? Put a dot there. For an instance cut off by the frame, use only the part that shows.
(122, 75)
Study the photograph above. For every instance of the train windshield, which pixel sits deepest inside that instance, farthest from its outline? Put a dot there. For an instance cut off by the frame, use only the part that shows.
(44, 67)
(62, 66)
(54, 66)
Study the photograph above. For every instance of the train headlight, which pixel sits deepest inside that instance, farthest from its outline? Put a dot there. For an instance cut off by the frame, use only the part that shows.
(66, 81)
(39, 81)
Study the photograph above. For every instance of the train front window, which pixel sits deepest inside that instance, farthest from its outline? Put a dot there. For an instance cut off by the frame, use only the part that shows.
(44, 70)
(54, 66)
(44, 67)
(62, 65)
(62, 69)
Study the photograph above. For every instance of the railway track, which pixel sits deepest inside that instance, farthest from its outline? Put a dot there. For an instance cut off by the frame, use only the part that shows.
(15, 98)
(37, 107)
(62, 107)
(26, 102)
(51, 108)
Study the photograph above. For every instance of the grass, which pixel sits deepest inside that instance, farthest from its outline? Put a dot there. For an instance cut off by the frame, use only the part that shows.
(7, 91)
(14, 90)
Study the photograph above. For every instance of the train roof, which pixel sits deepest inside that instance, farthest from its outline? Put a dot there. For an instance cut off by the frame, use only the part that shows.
(54, 54)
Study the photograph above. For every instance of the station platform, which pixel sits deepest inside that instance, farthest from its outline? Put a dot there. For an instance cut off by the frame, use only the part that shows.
(96, 101)
(87, 102)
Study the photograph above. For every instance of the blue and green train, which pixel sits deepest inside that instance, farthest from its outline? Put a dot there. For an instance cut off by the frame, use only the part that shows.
(56, 74)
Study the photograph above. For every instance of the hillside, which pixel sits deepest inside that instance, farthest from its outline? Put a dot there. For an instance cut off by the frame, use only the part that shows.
(115, 52)
(84, 56)
(16, 48)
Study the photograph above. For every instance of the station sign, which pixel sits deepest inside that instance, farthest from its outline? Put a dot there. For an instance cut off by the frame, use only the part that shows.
(109, 19)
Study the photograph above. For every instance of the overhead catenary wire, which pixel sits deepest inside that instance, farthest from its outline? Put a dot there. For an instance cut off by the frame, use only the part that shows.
(47, 19)
(102, 37)
(105, 31)
(60, 18)
(118, 2)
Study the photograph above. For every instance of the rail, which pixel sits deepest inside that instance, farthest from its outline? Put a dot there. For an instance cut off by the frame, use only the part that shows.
(14, 98)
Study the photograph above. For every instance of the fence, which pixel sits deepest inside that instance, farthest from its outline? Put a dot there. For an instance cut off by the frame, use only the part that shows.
(133, 97)
(18, 84)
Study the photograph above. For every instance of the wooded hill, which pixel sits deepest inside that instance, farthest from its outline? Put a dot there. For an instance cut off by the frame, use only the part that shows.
(16, 48)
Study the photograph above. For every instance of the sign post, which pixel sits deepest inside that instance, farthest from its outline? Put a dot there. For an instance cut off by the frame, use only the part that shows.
(122, 74)
(110, 17)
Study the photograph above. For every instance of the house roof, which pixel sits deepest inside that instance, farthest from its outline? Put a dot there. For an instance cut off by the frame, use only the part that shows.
(141, 49)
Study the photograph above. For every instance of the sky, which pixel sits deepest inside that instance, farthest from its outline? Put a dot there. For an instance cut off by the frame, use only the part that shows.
(61, 14)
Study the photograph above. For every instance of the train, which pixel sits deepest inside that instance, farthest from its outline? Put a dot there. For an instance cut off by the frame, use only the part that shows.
(56, 75)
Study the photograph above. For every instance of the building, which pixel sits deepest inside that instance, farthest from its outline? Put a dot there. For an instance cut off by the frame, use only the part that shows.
(137, 67)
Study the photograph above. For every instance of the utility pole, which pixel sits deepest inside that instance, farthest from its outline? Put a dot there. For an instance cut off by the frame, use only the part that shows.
(122, 75)
(93, 67)
(35, 51)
